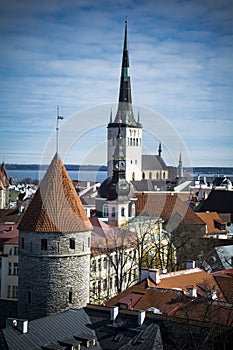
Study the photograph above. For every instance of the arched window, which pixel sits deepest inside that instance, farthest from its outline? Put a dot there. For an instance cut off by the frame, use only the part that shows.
(105, 210)
(164, 175)
(133, 176)
(150, 175)
(143, 175)
(133, 210)
(122, 211)
(113, 212)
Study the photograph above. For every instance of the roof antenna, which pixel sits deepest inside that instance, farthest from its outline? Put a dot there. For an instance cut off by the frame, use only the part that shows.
(59, 117)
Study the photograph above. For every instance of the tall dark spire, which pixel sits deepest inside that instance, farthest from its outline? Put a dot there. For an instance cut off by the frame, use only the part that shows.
(125, 111)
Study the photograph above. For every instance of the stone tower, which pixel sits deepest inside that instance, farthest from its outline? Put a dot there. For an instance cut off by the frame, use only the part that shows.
(130, 128)
(54, 248)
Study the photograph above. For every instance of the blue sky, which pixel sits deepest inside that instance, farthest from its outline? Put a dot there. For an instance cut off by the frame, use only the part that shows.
(68, 53)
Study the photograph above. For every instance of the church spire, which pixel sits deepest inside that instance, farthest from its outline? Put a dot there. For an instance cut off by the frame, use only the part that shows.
(125, 111)
(160, 150)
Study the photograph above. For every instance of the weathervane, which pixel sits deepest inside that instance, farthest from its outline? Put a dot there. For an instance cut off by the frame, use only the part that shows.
(59, 117)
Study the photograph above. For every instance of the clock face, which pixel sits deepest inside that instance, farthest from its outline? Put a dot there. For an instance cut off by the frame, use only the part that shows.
(122, 165)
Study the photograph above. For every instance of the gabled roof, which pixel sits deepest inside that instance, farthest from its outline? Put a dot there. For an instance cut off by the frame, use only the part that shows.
(224, 279)
(9, 215)
(153, 162)
(165, 205)
(219, 201)
(55, 206)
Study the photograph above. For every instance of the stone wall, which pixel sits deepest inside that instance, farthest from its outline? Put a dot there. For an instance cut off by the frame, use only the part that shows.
(52, 279)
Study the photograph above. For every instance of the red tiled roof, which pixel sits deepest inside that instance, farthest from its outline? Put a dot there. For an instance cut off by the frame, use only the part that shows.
(209, 218)
(55, 206)
(224, 279)
(165, 205)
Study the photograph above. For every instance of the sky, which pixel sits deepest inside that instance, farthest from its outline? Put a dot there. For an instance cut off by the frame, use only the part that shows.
(68, 54)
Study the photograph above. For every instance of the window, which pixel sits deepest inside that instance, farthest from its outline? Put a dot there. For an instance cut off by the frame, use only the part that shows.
(105, 284)
(10, 251)
(16, 250)
(70, 297)
(72, 243)
(15, 269)
(133, 176)
(94, 265)
(99, 264)
(143, 175)
(44, 244)
(105, 210)
(122, 211)
(89, 242)
(113, 212)
(133, 210)
(110, 283)
(22, 243)
(99, 286)
(8, 291)
(9, 268)
(150, 175)
(14, 292)
(93, 288)
(105, 263)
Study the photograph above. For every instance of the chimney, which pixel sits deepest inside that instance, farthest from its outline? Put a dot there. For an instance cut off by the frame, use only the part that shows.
(190, 264)
(150, 273)
(192, 291)
(141, 317)
(113, 312)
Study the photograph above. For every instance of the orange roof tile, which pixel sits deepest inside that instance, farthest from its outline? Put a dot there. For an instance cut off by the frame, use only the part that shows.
(165, 205)
(55, 206)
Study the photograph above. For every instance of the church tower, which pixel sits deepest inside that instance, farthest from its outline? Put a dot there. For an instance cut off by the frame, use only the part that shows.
(118, 189)
(130, 129)
(54, 248)
(180, 167)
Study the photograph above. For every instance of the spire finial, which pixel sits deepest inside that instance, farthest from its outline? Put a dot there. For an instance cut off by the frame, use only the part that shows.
(160, 149)
(59, 117)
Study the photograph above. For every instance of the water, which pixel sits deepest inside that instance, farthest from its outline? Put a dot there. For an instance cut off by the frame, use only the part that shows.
(94, 176)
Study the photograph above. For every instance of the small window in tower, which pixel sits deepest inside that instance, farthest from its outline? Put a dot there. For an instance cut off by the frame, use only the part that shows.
(143, 175)
(137, 142)
(89, 242)
(70, 297)
(122, 211)
(44, 245)
(131, 141)
(72, 243)
(105, 210)
(133, 176)
(22, 243)
(113, 212)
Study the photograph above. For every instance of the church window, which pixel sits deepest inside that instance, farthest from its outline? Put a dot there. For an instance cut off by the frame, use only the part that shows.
(133, 176)
(133, 210)
(72, 243)
(143, 175)
(113, 212)
(130, 132)
(105, 210)
(150, 175)
(44, 244)
(131, 141)
(122, 211)
(22, 243)
(137, 142)
(131, 162)
(164, 175)
(70, 296)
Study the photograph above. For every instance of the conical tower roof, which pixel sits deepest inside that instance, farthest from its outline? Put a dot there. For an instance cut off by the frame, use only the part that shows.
(125, 113)
(55, 206)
